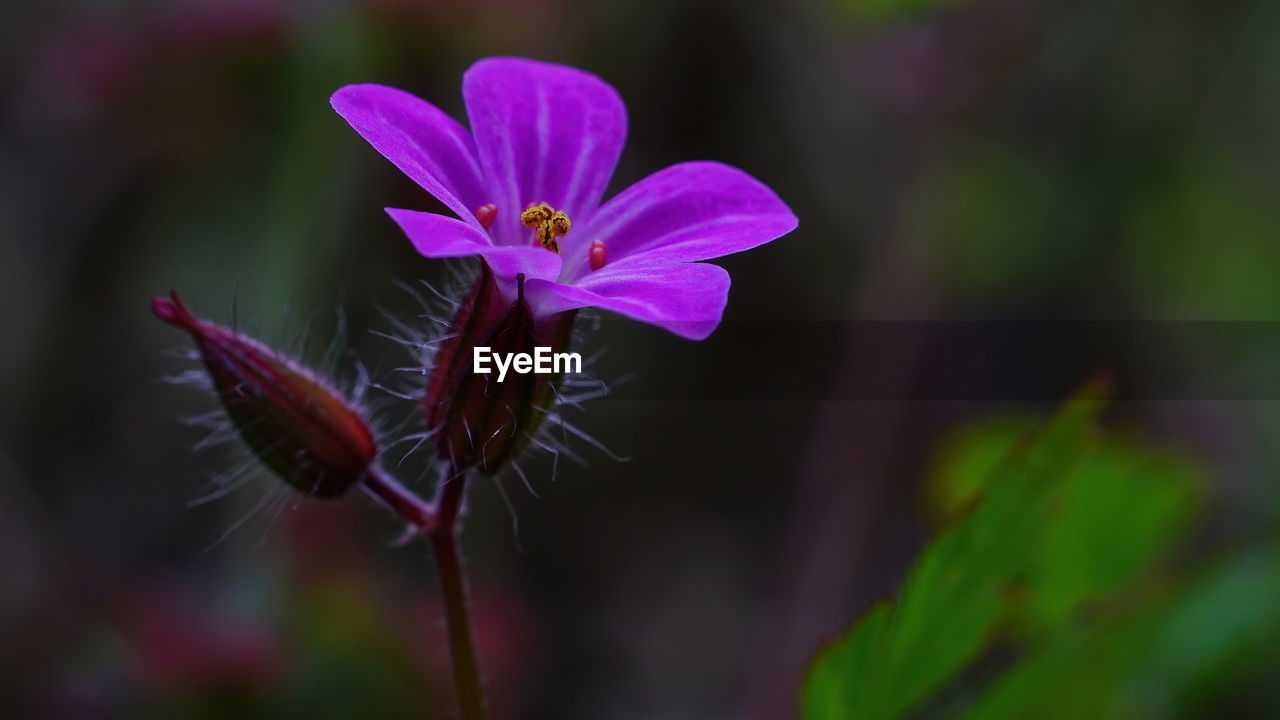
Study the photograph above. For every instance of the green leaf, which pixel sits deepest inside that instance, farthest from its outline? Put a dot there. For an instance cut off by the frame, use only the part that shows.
(1182, 650)
(1115, 513)
(968, 459)
(1025, 556)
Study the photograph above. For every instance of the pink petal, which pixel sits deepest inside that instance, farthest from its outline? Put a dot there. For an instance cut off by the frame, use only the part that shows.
(425, 143)
(687, 299)
(686, 212)
(544, 133)
(438, 236)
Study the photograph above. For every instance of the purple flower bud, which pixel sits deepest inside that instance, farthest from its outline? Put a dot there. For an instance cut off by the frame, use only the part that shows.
(305, 431)
(475, 419)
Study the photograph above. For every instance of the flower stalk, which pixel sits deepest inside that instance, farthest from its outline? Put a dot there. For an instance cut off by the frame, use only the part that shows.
(453, 589)
(416, 512)
(438, 523)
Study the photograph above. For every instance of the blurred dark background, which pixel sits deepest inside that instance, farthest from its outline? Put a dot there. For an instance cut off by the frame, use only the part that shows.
(1057, 167)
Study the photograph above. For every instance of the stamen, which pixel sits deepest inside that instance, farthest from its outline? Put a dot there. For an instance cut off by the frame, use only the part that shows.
(536, 214)
(546, 237)
(560, 223)
(486, 214)
(596, 255)
(547, 224)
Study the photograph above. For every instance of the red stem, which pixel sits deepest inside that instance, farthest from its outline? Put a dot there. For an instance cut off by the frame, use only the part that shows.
(444, 541)
(439, 523)
(420, 514)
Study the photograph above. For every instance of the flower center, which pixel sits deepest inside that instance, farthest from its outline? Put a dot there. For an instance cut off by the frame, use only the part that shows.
(547, 223)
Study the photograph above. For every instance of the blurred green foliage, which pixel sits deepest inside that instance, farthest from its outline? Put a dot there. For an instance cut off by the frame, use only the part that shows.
(888, 10)
(1183, 653)
(1053, 536)
(334, 629)
(1209, 241)
(980, 207)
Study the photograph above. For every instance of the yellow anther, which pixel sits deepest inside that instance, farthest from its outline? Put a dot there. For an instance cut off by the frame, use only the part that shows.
(560, 223)
(547, 223)
(536, 214)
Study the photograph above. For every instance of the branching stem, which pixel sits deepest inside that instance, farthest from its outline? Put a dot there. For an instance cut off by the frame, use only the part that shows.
(438, 522)
(418, 513)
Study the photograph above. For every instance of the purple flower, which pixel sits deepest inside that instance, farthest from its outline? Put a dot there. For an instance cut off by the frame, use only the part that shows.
(526, 182)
